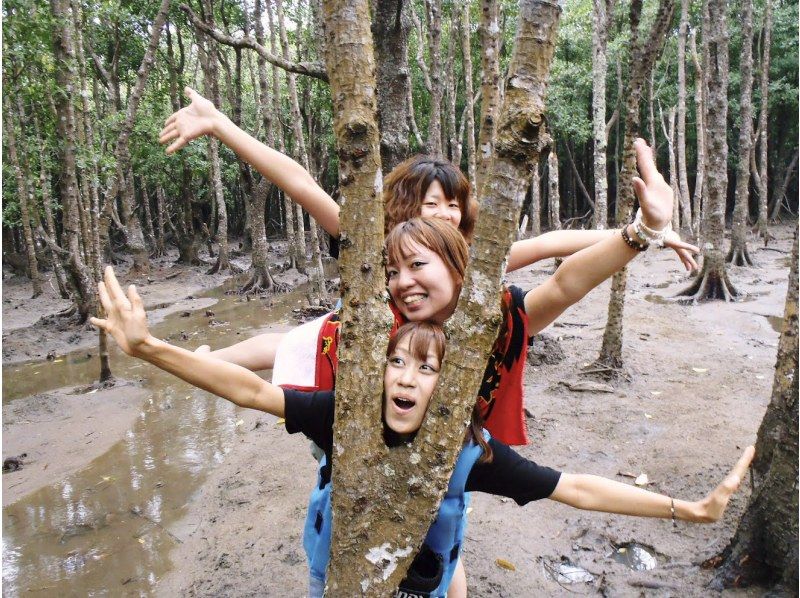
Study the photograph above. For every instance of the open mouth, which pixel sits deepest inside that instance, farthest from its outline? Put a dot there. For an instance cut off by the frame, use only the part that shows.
(403, 404)
(411, 300)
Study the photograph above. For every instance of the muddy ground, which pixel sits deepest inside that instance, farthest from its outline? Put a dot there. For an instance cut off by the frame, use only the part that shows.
(699, 379)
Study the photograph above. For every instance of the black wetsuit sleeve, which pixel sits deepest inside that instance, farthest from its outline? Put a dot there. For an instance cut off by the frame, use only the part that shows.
(510, 474)
(312, 414)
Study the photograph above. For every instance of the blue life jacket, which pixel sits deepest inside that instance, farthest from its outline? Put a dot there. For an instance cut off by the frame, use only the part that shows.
(445, 535)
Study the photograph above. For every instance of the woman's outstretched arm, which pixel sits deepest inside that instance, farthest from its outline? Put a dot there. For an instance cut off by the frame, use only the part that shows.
(594, 493)
(126, 321)
(256, 353)
(201, 117)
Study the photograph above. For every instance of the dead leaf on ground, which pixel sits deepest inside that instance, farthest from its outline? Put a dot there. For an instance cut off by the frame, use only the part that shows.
(504, 564)
(587, 386)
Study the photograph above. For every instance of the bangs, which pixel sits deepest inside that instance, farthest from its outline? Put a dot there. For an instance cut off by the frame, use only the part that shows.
(400, 240)
(423, 338)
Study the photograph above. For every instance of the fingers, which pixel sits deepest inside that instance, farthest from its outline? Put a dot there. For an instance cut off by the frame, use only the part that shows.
(189, 92)
(105, 301)
(169, 132)
(179, 143)
(744, 462)
(135, 298)
(99, 323)
(645, 161)
(203, 349)
(639, 188)
(114, 290)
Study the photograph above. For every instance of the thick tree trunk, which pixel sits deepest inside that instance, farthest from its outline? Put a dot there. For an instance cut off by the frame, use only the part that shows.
(683, 178)
(25, 197)
(370, 481)
(644, 53)
(713, 282)
(491, 98)
(738, 253)
(391, 25)
(469, 110)
(763, 188)
(764, 548)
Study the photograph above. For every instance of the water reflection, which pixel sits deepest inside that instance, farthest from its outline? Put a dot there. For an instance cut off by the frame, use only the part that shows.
(104, 530)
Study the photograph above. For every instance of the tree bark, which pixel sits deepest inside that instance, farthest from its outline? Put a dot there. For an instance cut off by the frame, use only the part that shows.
(763, 190)
(700, 108)
(713, 282)
(683, 177)
(433, 20)
(778, 197)
(536, 202)
(391, 26)
(668, 127)
(553, 193)
(738, 253)
(491, 98)
(600, 25)
(764, 548)
(644, 53)
(469, 110)
(371, 482)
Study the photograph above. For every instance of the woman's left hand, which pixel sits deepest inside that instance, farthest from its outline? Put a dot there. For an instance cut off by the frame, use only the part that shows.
(712, 507)
(686, 251)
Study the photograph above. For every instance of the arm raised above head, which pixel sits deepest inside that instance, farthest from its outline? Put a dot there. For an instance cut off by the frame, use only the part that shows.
(595, 493)
(201, 117)
(126, 321)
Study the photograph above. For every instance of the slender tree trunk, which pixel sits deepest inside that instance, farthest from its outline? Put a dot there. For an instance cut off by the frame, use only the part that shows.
(778, 197)
(490, 84)
(25, 199)
(469, 111)
(160, 215)
(644, 53)
(536, 202)
(316, 272)
(668, 127)
(433, 19)
(764, 549)
(763, 190)
(208, 59)
(738, 253)
(700, 110)
(713, 282)
(683, 177)
(452, 138)
(391, 26)
(553, 193)
(600, 24)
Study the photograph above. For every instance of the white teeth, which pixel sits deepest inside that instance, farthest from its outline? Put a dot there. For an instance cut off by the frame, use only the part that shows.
(413, 299)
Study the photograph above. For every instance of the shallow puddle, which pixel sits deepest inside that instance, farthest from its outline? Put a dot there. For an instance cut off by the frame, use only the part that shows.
(776, 322)
(565, 572)
(104, 530)
(635, 556)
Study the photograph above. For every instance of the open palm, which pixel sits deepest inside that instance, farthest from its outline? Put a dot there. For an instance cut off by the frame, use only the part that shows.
(189, 123)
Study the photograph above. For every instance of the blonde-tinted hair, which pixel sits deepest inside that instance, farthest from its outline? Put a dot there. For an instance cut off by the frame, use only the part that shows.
(439, 236)
(404, 189)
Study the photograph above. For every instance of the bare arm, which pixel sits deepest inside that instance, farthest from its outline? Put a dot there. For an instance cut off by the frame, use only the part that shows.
(201, 117)
(127, 323)
(255, 354)
(586, 269)
(595, 493)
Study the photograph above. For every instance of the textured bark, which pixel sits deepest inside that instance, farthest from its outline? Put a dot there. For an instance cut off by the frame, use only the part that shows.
(25, 196)
(700, 108)
(600, 25)
(764, 548)
(668, 127)
(553, 194)
(778, 197)
(683, 178)
(380, 511)
(160, 249)
(763, 188)
(469, 112)
(433, 19)
(134, 237)
(64, 52)
(391, 26)
(738, 253)
(644, 53)
(451, 139)
(491, 98)
(713, 281)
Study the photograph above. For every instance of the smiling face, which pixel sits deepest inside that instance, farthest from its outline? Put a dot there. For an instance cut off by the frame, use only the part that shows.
(435, 204)
(421, 285)
(412, 371)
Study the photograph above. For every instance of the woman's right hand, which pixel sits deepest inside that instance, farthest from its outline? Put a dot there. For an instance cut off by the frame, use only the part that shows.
(125, 317)
(195, 120)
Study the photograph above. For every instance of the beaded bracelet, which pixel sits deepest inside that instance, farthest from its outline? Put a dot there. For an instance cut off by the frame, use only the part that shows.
(630, 242)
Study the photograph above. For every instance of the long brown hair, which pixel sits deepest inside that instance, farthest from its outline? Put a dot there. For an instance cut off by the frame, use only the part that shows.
(439, 236)
(422, 337)
(404, 189)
